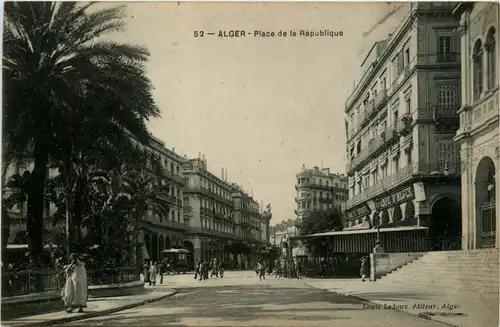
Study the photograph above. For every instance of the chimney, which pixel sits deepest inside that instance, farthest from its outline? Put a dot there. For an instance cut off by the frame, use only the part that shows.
(222, 174)
(199, 155)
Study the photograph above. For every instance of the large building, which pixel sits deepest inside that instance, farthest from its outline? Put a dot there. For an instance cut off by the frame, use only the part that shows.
(479, 123)
(318, 189)
(403, 164)
(208, 208)
(220, 214)
(165, 232)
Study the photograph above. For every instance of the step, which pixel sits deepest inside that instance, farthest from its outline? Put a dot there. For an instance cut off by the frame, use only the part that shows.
(486, 271)
(489, 287)
(443, 290)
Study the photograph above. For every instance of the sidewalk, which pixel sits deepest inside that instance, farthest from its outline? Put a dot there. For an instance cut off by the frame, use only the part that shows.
(461, 309)
(96, 307)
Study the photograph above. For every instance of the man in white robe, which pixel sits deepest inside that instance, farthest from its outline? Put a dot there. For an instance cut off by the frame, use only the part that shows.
(74, 293)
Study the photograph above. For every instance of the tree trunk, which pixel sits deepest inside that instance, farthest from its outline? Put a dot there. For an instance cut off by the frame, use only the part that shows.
(138, 246)
(34, 224)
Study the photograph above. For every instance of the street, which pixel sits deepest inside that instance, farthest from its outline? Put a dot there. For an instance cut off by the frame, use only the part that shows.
(240, 299)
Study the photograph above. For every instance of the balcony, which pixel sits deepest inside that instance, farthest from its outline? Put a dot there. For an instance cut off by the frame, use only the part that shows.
(316, 186)
(387, 137)
(485, 112)
(404, 174)
(403, 126)
(174, 177)
(166, 197)
(209, 193)
(200, 230)
(380, 101)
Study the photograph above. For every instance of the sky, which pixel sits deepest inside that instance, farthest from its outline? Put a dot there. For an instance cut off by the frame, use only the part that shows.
(258, 107)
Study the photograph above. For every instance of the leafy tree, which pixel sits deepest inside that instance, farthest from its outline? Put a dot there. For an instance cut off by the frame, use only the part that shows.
(63, 82)
(320, 221)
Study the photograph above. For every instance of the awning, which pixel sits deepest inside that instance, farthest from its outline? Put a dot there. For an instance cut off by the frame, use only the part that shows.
(145, 254)
(366, 231)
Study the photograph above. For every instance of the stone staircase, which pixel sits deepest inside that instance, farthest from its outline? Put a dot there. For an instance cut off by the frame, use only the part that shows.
(470, 270)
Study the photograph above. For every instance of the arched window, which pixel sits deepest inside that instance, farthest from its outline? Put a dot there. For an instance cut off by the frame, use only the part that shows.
(491, 53)
(477, 58)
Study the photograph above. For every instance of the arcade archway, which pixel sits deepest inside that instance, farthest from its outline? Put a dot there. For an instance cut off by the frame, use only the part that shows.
(485, 203)
(409, 210)
(445, 225)
(384, 217)
(397, 215)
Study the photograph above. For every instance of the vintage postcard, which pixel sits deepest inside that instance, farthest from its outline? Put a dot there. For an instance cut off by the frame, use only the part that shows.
(250, 164)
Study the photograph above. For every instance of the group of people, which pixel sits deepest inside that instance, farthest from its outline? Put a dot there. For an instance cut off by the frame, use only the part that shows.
(202, 269)
(154, 268)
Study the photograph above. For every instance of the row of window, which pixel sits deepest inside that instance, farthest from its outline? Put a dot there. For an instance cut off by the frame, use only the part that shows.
(215, 188)
(319, 181)
(318, 205)
(212, 224)
(341, 197)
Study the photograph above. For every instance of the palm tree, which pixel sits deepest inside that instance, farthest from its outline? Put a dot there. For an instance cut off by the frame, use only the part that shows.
(59, 72)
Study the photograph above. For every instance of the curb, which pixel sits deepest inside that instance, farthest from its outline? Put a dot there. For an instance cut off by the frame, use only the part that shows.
(419, 315)
(98, 313)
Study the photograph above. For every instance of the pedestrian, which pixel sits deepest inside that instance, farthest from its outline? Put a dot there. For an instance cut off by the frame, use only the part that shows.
(197, 269)
(213, 266)
(221, 269)
(261, 268)
(145, 272)
(362, 271)
(205, 270)
(298, 267)
(75, 293)
(153, 271)
(161, 267)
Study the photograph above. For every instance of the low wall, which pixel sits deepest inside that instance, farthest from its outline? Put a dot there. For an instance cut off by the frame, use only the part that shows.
(24, 305)
(37, 303)
(382, 264)
(111, 290)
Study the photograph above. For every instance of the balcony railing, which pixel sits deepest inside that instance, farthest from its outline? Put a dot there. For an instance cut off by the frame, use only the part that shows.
(375, 144)
(200, 230)
(403, 126)
(402, 175)
(209, 193)
(175, 177)
(481, 112)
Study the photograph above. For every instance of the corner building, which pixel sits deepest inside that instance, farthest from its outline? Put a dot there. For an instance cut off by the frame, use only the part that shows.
(403, 164)
(318, 189)
(479, 123)
(208, 207)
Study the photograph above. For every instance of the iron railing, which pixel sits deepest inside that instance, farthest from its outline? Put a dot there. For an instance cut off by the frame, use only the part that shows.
(32, 281)
(112, 276)
(443, 243)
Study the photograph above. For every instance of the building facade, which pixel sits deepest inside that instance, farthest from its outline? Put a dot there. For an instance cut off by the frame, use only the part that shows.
(208, 208)
(403, 164)
(479, 123)
(160, 233)
(318, 189)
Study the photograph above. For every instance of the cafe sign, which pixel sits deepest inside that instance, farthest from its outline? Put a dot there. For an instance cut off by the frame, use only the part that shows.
(360, 211)
(395, 198)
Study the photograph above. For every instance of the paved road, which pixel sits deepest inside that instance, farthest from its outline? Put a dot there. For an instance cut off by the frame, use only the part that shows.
(240, 299)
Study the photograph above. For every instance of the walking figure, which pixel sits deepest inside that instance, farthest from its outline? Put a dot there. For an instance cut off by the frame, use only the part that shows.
(221, 269)
(298, 269)
(214, 268)
(145, 272)
(261, 268)
(197, 269)
(153, 271)
(75, 292)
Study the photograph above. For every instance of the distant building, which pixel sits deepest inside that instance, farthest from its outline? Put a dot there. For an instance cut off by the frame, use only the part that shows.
(479, 123)
(209, 210)
(318, 189)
